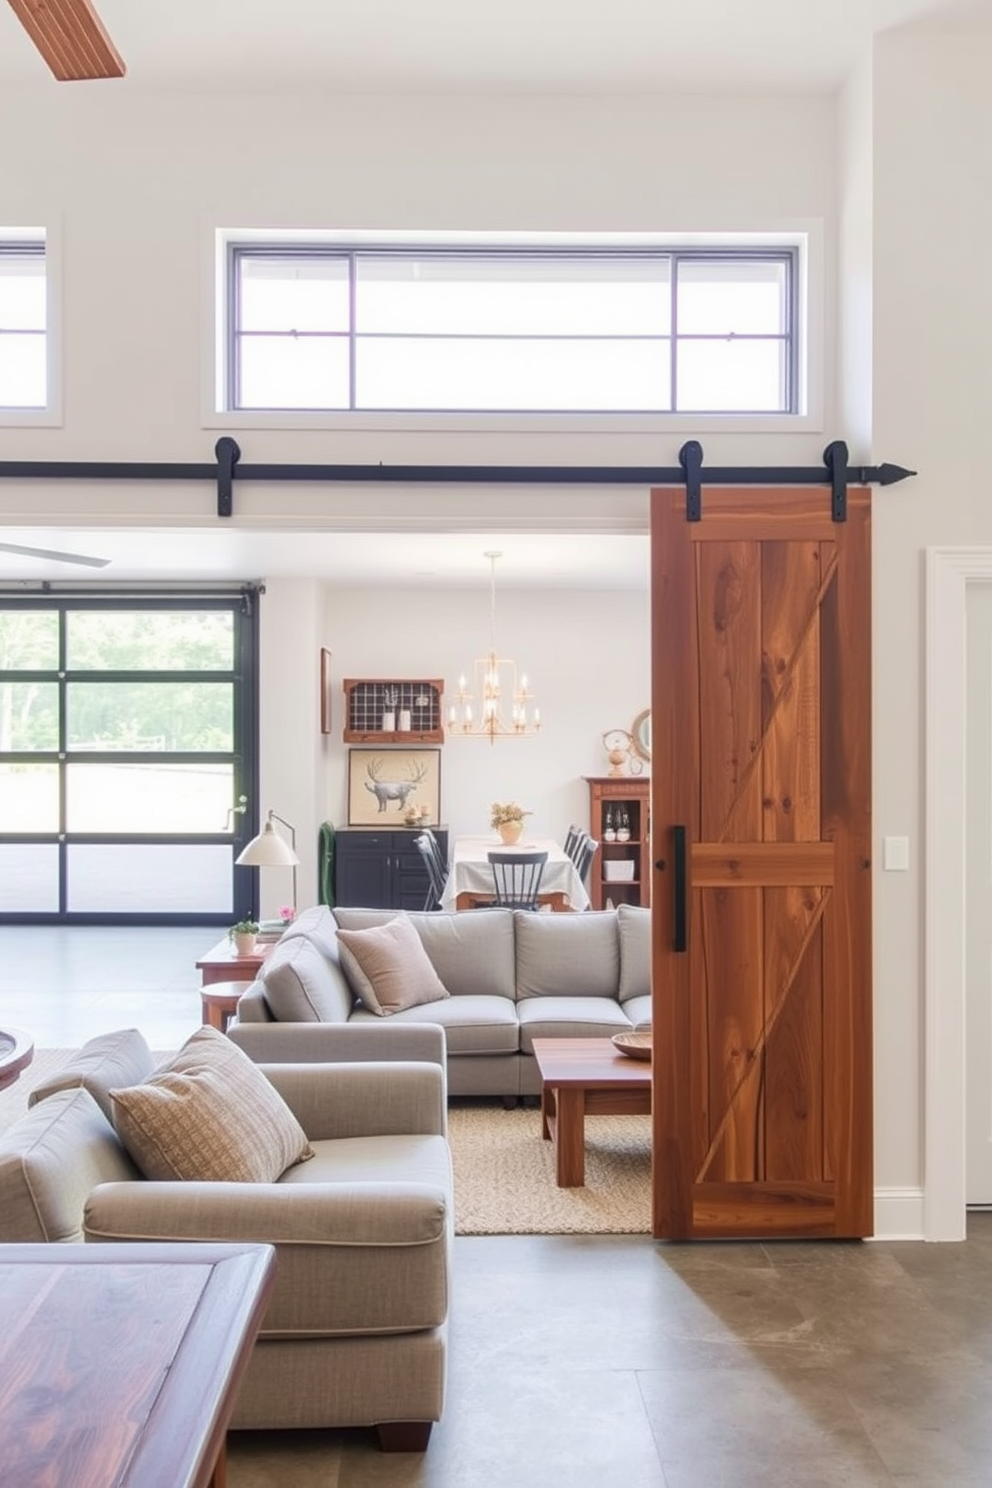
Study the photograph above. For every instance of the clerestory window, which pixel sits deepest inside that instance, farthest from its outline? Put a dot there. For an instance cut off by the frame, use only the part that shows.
(23, 325)
(513, 331)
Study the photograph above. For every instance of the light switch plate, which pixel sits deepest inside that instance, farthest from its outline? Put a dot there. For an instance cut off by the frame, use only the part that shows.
(895, 854)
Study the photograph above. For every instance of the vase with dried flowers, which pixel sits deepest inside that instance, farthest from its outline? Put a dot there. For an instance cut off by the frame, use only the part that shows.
(507, 817)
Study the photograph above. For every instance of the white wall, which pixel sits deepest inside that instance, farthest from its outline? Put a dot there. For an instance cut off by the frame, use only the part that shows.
(586, 655)
(932, 387)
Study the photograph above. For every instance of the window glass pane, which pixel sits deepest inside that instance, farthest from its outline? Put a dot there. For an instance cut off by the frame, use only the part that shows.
(29, 716)
(137, 798)
(22, 292)
(294, 372)
(740, 297)
(29, 877)
(158, 716)
(23, 371)
(513, 296)
(29, 798)
(132, 878)
(294, 294)
(29, 640)
(554, 375)
(736, 376)
(150, 640)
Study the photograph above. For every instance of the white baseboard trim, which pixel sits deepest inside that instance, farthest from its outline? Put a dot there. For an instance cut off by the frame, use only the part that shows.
(898, 1214)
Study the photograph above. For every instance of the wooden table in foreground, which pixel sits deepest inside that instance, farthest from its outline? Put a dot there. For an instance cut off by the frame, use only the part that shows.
(580, 1077)
(120, 1364)
(16, 1053)
(223, 964)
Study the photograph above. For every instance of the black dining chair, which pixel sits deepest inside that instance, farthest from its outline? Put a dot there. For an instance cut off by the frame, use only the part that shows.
(583, 854)
(573, 837)
(427, 846)
(517, 878)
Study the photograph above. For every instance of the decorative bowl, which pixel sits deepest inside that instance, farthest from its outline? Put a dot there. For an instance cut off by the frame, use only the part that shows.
(634, 1045)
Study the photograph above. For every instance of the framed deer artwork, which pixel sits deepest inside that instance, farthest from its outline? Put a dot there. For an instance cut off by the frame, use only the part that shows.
(384, 783)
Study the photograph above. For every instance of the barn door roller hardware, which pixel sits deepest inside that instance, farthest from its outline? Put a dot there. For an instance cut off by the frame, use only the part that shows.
(228, 471)
(836, 473)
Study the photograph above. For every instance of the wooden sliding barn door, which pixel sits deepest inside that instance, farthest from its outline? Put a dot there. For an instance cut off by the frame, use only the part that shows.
(761, 837)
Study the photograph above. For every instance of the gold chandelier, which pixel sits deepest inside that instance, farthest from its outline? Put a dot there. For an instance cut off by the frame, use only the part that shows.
(496, 686)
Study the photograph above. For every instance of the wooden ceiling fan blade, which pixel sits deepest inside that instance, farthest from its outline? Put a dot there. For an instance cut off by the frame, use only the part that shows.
(56, 557)
(71, 38)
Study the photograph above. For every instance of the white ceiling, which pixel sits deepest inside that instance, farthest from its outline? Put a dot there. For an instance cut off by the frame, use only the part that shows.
(441, 46)
(577, 46)
(347, 559)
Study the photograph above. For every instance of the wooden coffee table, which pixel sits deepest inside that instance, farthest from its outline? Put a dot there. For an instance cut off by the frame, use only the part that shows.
(580, 1077)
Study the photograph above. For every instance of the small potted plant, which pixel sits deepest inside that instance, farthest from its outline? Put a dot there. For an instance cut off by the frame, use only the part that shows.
(508, 819)
(243, 935)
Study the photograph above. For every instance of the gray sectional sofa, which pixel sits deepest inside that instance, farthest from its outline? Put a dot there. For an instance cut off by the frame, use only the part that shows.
(512, 977)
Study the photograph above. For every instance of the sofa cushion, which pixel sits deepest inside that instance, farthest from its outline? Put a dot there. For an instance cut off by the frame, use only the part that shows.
(569, 1017)
(103, 1063)
(304, 983)
(209, 1115)
(567, 955)
(316, 924)
(388, 967)
(472, 951)
(634, 927)
(50, 1159)
(472, 1025)
(639, 1010)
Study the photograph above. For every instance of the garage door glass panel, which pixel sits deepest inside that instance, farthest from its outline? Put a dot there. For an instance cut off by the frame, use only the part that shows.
(124, 878)
(150, 640)
(29, 640)
(29, 717)
(131, 798)
(29, 878)
(29, 798)
(165, 717)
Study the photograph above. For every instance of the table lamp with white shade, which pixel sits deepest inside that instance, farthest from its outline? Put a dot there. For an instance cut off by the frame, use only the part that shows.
(269, 850)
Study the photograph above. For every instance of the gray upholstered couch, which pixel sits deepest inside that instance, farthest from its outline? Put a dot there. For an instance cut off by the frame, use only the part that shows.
(512, 977)
(355, 1332)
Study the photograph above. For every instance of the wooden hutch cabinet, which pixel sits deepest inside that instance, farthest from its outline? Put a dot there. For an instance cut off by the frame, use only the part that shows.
(382, 869)
(620, 872)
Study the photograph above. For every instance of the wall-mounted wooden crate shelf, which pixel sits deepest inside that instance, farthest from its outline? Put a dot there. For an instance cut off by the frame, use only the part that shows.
(369, 703)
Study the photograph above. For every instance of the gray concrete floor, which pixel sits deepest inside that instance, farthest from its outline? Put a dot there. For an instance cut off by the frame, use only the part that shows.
(598, 1360)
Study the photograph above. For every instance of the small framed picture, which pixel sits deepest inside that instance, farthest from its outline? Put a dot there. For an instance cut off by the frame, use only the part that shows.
(383, 783)
(325, 690)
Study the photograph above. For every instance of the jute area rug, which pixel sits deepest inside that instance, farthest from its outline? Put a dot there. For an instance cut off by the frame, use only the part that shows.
(505, 1175)
(504, 1171)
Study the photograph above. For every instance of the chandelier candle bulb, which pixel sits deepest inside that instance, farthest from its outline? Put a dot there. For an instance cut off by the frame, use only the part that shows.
(497, 686)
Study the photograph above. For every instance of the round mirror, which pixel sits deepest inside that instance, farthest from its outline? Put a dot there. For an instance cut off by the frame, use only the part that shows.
(640, 731)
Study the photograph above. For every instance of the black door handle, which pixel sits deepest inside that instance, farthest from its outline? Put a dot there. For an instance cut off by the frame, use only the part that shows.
(679, 939)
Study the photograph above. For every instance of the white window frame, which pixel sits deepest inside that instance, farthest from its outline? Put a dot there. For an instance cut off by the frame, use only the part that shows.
(49, 239)
(805, 239)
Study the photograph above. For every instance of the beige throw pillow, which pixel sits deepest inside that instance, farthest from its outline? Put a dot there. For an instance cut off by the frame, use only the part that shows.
(389, 968)
(209, 1115)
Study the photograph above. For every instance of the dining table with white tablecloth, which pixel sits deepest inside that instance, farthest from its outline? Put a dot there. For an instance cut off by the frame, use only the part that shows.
(470, 876)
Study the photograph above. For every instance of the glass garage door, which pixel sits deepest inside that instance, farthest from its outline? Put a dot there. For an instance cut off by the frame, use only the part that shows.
(126, 737)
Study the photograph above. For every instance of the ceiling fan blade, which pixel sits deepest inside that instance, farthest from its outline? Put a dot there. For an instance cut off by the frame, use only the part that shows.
(71, 38)
(54, 556)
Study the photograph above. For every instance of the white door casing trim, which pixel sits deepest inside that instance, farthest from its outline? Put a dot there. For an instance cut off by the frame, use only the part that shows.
(948, 572)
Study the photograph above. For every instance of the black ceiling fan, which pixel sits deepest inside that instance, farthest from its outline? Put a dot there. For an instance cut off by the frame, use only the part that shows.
(53, 555)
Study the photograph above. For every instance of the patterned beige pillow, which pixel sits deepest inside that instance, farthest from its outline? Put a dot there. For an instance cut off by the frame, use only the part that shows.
(209, 1115)
(389, 968)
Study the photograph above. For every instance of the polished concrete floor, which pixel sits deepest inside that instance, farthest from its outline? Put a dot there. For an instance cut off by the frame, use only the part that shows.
(594, 1361)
